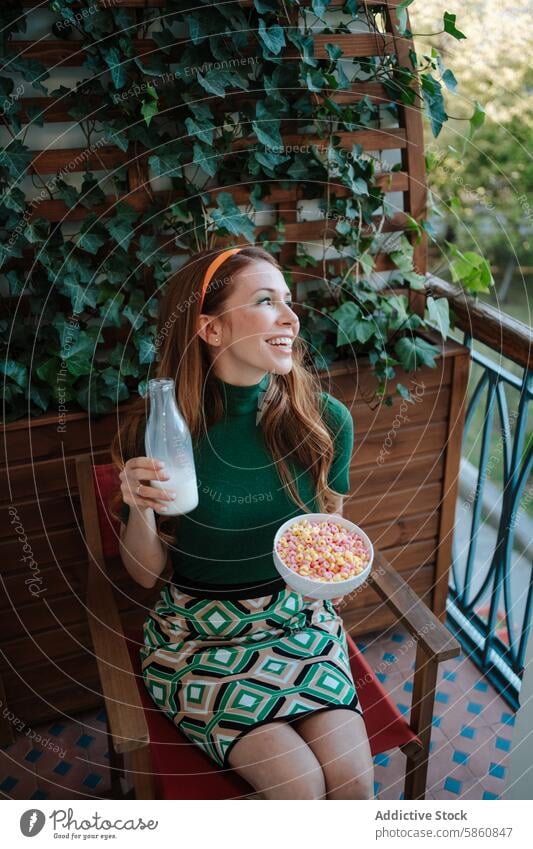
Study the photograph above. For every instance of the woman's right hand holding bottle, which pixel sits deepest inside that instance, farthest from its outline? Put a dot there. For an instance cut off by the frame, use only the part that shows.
(135, 484)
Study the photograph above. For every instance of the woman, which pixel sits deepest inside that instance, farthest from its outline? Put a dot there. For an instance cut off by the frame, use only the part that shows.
(246, 668)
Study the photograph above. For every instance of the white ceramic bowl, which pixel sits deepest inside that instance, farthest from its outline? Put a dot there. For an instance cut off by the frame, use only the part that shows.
(310, 586)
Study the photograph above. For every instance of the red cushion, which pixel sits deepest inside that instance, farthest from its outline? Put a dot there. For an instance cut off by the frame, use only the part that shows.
(106, 483)
(183, 771)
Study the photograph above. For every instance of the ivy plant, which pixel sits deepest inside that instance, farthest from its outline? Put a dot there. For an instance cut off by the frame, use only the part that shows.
(206, 111)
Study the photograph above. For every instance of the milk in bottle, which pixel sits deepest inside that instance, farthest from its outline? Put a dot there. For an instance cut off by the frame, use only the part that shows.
(167, 438)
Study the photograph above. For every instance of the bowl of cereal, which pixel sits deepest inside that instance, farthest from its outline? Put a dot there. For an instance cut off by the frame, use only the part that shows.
(322, 555)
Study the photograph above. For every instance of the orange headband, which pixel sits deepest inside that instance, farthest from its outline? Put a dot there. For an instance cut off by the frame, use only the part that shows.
(213, 267)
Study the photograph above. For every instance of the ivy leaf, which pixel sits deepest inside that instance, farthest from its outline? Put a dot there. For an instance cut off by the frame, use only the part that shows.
(37, 231)
(471, 270)
(266, 126)
(217, 81)
(449, 26)
(273, 38)
(434, 102)
(150, 104)
(414, 352)
(334, 51)
(147, 251)
(16, 371)
(401, 10)
(146, 349)
(449, 80)
(167, 161)
(477, 120)
(205, 158)
(14, 199)
(121, 225)
(439, 315)
(351, 324)
(116, 63)
(202, 128)
(68, 194)
(403, 391)
(90, 242)
(90, 193)
(15, 158)
(319, 7)
(229, 217)
(403, 257)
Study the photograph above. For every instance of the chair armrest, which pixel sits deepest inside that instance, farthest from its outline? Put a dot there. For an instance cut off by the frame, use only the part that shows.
(125, 712)
(434, 638)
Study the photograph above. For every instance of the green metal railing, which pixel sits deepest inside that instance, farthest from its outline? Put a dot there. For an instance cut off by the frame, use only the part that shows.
(489, 606)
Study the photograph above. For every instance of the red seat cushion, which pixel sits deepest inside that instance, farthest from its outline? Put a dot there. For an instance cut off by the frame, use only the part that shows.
(183, 771)
(106, 483)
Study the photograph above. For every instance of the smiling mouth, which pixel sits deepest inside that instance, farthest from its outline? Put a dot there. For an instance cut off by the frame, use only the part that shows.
(286, 348)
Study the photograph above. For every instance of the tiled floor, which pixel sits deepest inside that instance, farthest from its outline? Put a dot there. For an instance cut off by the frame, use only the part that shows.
(471, 738)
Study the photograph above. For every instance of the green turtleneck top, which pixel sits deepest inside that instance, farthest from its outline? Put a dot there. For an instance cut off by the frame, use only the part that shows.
(227, 540)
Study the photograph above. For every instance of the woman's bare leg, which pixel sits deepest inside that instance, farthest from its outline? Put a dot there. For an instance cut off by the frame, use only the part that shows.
(278, 763)
(339, 741)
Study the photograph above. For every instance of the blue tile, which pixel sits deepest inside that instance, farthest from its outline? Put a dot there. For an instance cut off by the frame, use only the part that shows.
(33, 756)
(442, 697)
(452, 785)
(507, 718)
(62, 767)
(381, 759)
(8, 783)
(389, 658)
(431, 747)
(468, 731)
(482, 686)
(449, 676)
(408, 687)
(436, 721)
(474, 707)
(381, 677)
(460, 757)
(56, 729)
(502, 743)
(401, 795)
(487, 795)
(377, 785)
(39, 794)
(497, 770)
(398, 638)
(101, 716)
(84, 741)
(361, 647)
(402, 708)
(92, 780)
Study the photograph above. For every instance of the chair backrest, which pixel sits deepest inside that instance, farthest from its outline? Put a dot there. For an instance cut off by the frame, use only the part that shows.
(106, 483)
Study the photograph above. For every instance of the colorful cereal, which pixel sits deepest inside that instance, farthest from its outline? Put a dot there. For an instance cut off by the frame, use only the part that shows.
(323, 551)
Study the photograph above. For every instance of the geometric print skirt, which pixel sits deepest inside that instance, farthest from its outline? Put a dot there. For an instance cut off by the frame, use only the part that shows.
(218, 667)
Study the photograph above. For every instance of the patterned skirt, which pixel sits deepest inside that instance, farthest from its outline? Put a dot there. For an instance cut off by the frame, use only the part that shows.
(218, 667)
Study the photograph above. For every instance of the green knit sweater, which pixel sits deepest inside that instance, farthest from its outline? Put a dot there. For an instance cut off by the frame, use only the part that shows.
(228, 538)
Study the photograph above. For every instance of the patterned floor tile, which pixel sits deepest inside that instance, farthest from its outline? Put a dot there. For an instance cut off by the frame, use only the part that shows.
(470, 740)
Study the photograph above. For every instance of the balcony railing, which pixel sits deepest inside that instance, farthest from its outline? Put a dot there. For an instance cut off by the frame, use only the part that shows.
(490, 597)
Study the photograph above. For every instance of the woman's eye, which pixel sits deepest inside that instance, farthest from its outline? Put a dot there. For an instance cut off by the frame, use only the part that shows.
(289, 303)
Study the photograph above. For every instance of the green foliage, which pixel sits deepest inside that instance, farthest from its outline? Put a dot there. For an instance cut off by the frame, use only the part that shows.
(85, 286)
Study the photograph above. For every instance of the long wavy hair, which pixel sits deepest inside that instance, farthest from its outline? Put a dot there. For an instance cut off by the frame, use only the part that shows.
(292, 423)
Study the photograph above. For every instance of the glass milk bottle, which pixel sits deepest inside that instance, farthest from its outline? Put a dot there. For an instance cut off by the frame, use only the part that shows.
(167, 438)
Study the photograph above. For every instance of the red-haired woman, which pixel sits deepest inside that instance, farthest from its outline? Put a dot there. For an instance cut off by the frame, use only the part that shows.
(251, 671)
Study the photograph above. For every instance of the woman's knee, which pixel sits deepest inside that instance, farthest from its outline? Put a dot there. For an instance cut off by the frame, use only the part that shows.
(344, 784)
(278, 764)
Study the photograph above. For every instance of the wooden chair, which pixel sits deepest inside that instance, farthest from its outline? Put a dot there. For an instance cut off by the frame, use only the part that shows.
(163, 763)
